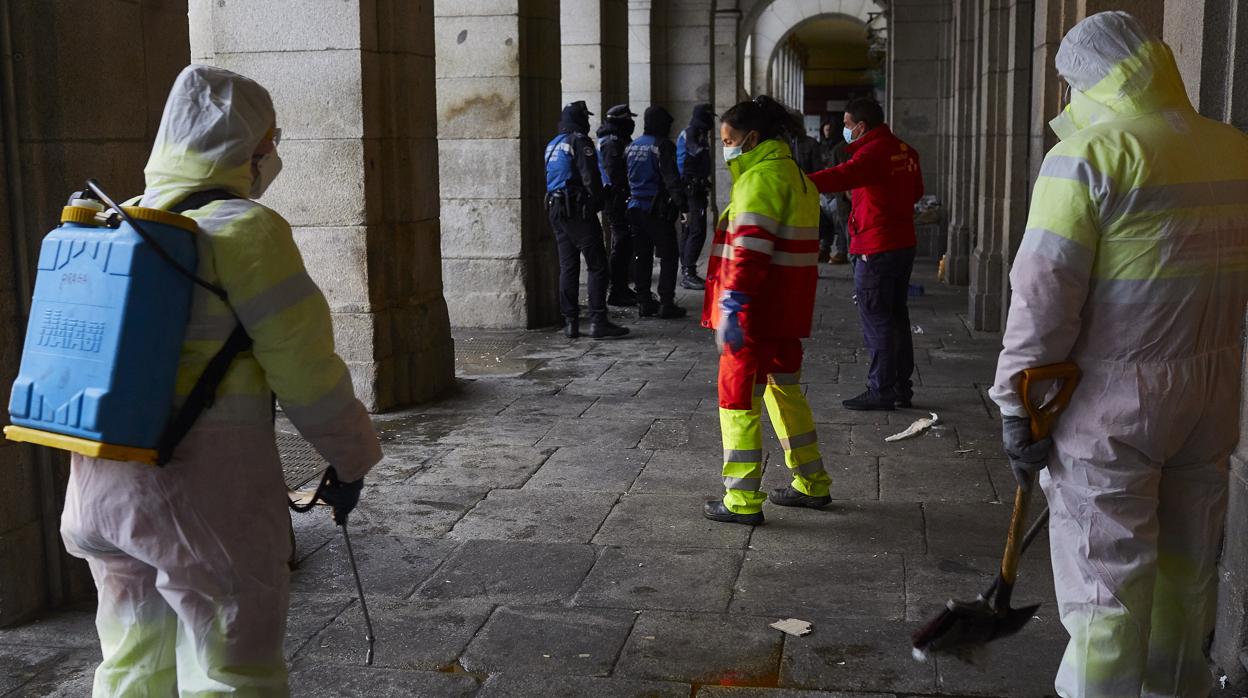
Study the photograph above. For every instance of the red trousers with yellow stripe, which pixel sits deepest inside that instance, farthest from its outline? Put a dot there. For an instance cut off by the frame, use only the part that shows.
(766, 370)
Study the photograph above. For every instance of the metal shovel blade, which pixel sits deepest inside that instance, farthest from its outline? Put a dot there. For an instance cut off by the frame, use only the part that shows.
(966, 626)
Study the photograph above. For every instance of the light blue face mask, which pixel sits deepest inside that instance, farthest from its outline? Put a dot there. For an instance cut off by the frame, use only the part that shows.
(732, 152)
(849, 134)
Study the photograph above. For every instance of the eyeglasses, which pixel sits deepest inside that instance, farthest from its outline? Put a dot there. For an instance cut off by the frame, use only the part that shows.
(275, 134)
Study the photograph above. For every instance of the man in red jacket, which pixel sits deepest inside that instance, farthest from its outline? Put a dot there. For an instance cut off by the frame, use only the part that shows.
(883, 173)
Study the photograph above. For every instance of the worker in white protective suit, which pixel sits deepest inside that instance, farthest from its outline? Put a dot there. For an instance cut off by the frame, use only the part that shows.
(1134, 265)
(190, 559)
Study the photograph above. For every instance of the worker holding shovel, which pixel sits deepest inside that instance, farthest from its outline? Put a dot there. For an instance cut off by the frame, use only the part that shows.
(1134, 266)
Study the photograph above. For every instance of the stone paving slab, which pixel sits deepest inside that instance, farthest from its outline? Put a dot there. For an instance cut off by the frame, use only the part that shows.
(603, 389)
(931, 580)
(498, 431)
(917, 478)
(317, 680)
(408, 509)
(588, 469)
(18, 664)
(842, 527)
(778, 583)
(855, 654)
(548, 406)
(607, 434)
(697, 433)
(582, 642)
(654, 520)
(742, 692)
(67, 675)
(644, 408)
(679, 579)
(1021, 666)
(481, 468)
(392, 565)
(507, 572)
(975, 529)
(668, 472)
(702, 649)
(937, 441)
(512, 685)
(309, 614)
(540, 517)
(419, 635)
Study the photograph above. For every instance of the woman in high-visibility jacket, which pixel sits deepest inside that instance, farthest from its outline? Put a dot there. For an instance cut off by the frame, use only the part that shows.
(760, 299)
(190, 559)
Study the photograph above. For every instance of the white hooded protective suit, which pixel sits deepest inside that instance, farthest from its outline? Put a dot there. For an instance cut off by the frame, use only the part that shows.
(1134, 266)
(190, 559)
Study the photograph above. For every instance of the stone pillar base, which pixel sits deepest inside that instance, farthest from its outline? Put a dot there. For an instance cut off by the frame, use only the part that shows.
(985, 296)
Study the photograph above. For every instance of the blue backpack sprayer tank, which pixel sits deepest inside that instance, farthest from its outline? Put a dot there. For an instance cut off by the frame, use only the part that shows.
(108, 317)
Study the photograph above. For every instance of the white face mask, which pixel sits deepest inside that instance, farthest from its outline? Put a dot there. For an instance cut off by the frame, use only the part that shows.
(267, 168)
(732, 152)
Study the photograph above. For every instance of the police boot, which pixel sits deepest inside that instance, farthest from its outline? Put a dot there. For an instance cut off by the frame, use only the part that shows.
(692, 281)
(622, 298)
(572, 327)
(605, 329)
(668, 310)
(647, 306)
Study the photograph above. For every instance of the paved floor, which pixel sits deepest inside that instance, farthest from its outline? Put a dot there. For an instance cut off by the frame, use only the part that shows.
(539, 534)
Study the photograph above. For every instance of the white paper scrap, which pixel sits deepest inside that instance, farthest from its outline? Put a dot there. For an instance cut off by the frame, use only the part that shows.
(919, 426)
(792, 626)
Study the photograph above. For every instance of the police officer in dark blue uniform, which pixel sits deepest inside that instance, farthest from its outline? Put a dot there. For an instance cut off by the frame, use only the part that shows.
(573, 199)
(655, 203)
(614, 136)
(693, 159)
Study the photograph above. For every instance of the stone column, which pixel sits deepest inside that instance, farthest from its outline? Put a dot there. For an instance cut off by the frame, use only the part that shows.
(641, 30)
(352, 84)
(594, 34)
(69, 110)
(498, 97)
(987, 259)
(728, 84)
(962, 174)
(687, 37)
(915, 64)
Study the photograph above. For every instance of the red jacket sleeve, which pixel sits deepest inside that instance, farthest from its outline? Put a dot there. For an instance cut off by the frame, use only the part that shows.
(862, 170)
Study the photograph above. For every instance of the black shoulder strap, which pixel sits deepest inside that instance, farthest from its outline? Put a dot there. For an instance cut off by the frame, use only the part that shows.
(205, 391)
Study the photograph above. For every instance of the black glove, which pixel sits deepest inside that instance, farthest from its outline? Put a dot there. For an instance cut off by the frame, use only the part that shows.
(342, 496)
(1027, 457)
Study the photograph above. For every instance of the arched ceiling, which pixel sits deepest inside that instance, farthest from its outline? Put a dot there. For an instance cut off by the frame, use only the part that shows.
(835, 49)
(769, 23)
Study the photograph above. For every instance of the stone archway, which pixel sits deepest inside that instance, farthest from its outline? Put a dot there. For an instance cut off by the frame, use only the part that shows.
(770, 25)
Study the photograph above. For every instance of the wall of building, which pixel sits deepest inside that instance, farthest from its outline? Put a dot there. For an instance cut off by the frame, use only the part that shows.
(70, 108)
(498, 102)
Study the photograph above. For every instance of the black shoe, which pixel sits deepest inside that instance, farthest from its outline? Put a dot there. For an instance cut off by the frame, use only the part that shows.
(622, 299)
(869, 400)
(692, 281)
(647, 307)
(572, 327)
(905, 402)
(671, 311)
(716, 511)
(789, 497)
(605, 329)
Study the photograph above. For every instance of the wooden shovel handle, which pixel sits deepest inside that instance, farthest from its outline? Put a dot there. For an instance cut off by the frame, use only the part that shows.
(1042, 419)
(1043, 416)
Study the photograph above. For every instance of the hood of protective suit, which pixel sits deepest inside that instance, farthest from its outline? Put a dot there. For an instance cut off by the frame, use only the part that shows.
(213, 121)
(1117, 69)
(658, 122)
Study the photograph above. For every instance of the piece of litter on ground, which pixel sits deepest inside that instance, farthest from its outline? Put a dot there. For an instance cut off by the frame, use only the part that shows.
(582, 656)
(916, 329)
(792, 626)
(965, 450)
(919, 426)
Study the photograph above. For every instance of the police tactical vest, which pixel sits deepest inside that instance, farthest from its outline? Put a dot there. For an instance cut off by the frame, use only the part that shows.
(644, 179)
(560, 162)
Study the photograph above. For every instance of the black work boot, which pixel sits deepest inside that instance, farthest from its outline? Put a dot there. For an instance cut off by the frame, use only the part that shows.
(715, 510)
(790, 497)
(905, 400)
(869, 400)
(647, 306)
(605, 329)
(668, 310)
(622, 298)
(572, 327)
(692, 281)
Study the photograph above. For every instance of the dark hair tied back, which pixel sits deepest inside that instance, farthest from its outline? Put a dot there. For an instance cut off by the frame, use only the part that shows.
(765, 115)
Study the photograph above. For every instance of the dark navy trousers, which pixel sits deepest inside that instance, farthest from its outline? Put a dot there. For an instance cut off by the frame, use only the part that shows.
(882, 282)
